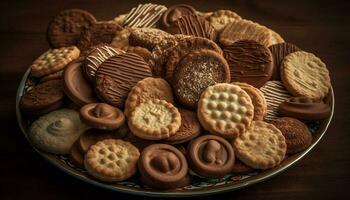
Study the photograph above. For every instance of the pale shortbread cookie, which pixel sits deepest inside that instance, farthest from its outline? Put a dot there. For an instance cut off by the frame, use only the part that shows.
(258, 99)
(276, 37)
(246, 30)
(121, 39)
(262, 146)
(304, 74)
(148, 89)
(57, 131)
(54, 60)
(225, 110)
(120, 19)
(154, 120)
(112, 160)
(219, 19)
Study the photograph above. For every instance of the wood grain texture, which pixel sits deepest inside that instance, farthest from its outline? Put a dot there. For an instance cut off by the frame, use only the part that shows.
(321, 27)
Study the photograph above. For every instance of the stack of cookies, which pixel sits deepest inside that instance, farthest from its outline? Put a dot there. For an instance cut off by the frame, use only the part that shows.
(163, 94)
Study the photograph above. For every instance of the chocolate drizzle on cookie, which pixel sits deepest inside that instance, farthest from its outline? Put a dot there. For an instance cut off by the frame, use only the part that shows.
(144, 15)
(249, 62)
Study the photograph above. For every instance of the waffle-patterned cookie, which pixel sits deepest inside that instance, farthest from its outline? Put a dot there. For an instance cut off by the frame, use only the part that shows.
(112, 160)
(225, 110)
(54, 60)
(144, 15)
(262, 146)
(154, 120)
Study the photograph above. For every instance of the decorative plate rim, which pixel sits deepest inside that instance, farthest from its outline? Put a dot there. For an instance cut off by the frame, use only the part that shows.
(264, 175)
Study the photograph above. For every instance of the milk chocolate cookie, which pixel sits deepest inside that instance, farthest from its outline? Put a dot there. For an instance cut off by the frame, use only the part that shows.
(144, 53)
(175, 12)
(43, 98)
(189, 129)
(65, 29)
(304, 74)
(75, 156)
(144, 16)
(211, 156)
(193, 25)
(195, 72)
(96, 57)
(304, 108)
(163, 167)
(91, 137)
(53, 76)
(249, 62)
(112, 160)
(102, 116)
(297, 134)
(148, 89)
(117, 75)
(99, 32)
(183, 48)
(76, 87)
(148, 37)
(219, 19)
(240, 168)
(279, 52)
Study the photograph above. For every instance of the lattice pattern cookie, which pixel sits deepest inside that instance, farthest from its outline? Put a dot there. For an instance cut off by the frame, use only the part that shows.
(112, 160)
(225, 110)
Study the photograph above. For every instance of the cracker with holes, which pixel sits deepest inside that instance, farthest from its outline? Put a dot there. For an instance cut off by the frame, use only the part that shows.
(154, 120)
(306, 75)
(262, 146)
(112, 160)
(225, 110)
(54, 60)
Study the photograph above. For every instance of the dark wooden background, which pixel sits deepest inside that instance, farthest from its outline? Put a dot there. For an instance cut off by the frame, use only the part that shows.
(321, 27)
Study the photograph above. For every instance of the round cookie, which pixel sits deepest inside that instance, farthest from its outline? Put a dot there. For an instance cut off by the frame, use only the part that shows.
(175, 12)
(297, 134)
(262, 146)
(225, 110)
(240, 168)
(154, 120)
(193, 25)
(43, 98)
(163, 167)
(148, 89)
(112, 160)
(144, 53)
(75, 156)
(184, 47)
(304, 108)
(249, 62)
(219, 19)
(258, 100)
(97, 33)
(190, 128)
(148, 37)
(53, 76)
(275, 93)
(144, 15)
(195, 72)
(304, 74)
(65, 29)
(121, 38)
(53, 61)
(211, 156)
(76, 87)
(91, 137)
(117, 75)
(57, 131)
(102, 116)
(96, 57)
(279, 52)
(245, 30)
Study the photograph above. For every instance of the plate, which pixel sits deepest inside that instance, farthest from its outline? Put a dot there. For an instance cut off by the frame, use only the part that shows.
(200, 185)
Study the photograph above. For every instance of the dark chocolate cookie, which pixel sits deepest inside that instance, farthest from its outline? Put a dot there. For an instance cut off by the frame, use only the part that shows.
(175, 12)
(65, 29)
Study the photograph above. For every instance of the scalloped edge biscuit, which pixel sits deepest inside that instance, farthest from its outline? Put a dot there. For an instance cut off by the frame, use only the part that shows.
(233, 113)
(112, 160)
(262, 146)
(168, 120)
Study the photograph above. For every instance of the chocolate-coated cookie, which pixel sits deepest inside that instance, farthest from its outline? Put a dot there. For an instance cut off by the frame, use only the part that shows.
(175, 12)
(144, 15)
(249, 62)
(65, 29)
(279, 51)
(304, 108)
(144, 53)
(117, 75)
(91, 137)
(195, 72)
(43, 98)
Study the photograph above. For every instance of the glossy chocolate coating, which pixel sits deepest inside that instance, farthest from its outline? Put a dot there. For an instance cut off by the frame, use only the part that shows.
(304, 108)
(174, 12)
(211, 156)
(163, 166)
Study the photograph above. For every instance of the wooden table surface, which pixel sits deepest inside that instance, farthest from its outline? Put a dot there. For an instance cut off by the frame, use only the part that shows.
(321, 27)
